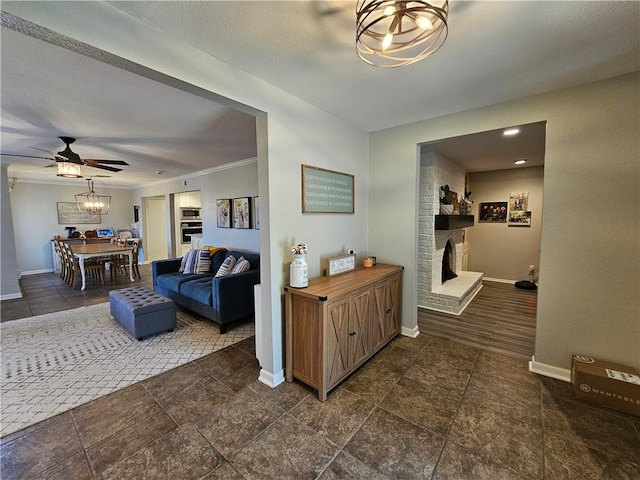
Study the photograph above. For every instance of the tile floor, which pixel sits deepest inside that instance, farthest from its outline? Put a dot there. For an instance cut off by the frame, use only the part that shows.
(47, 292)
(424, 408)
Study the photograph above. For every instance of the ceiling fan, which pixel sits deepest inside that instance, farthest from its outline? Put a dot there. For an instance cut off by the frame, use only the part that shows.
(67, 155)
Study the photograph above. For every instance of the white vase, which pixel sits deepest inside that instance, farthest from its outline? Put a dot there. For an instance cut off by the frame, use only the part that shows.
(299, 272)
(446, 209)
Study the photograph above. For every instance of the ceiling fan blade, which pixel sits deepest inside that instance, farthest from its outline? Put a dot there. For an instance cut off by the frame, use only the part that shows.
(103, 167)
(26, 156)
(106, 162)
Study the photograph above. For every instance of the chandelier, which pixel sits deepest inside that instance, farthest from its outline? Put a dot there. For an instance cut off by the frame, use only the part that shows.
(68, 170)
(92, 202)
(398, 33)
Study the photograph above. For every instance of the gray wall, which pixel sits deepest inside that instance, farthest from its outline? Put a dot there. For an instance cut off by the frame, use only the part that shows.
(495, 249)
(35, 214)
(9, 286)
(588, 301)
(231, 181)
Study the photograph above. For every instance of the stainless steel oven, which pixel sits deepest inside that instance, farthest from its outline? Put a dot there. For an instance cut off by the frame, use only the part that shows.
(189, 228)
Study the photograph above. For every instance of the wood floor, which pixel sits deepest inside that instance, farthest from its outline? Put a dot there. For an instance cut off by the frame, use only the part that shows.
(501, 318)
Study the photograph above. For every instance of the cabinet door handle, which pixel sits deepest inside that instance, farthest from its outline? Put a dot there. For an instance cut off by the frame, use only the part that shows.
(389, 310)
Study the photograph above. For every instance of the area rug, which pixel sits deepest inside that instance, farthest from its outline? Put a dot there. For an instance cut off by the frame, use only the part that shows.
(55, 362)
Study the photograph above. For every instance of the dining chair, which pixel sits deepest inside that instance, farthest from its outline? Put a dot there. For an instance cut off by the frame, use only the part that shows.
(93, 268)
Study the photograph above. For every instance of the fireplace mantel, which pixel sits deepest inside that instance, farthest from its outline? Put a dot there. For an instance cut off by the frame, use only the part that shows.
(453, 222)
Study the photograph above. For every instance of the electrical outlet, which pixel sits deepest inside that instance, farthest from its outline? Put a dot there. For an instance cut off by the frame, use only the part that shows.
(532, 268)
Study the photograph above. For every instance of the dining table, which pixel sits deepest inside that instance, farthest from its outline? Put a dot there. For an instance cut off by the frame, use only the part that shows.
(92, 250)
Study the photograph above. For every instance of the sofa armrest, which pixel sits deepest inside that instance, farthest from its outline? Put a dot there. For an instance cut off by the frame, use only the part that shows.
(233, 295)
(160, 267)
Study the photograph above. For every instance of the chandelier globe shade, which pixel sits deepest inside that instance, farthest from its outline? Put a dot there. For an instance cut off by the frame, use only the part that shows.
(93, 202)
(392, 34)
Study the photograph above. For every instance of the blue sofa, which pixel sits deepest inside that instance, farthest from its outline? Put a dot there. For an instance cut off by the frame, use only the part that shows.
(223, 300)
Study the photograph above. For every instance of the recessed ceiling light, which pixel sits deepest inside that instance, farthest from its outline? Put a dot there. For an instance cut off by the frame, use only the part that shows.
(520, 162)
(511, 131)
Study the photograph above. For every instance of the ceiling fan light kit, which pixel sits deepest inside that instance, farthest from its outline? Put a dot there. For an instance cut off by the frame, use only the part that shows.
(93, 202)
(393, 34)
(69, 170)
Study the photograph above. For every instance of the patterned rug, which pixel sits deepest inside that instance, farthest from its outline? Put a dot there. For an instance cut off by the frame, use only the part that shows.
(55, 362)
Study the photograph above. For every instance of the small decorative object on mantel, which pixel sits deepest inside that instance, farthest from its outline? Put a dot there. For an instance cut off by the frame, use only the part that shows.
(446, 200)
(299, 269)
(466, 205)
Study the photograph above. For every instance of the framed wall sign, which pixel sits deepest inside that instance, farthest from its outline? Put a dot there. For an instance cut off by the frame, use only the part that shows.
(341, 264)
(326, 191)
(69, 214)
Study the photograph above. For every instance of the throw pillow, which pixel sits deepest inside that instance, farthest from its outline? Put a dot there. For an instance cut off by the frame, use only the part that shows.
(226, 266)
(204, 261)
(241, 265)
(189, 262)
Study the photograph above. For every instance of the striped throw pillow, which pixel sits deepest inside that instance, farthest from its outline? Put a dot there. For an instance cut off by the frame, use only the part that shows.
(241, 265)
(189, 262)
(226, 266)
(204, 261)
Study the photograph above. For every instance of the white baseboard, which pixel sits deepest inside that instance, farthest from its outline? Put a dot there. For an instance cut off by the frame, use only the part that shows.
(558, 373)
(35, 272)
(10, 296)
(270, 379)
(500, 280)
(410, 332)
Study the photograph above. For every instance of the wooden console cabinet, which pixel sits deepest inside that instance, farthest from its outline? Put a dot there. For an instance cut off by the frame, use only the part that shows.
(337, 323)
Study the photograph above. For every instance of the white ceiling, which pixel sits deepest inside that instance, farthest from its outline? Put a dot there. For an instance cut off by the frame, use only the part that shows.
(495, 51)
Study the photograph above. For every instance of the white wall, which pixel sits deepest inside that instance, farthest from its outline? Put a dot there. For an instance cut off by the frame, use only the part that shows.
(35, 215)
(499, 251)
(590, 257)
(290, 132)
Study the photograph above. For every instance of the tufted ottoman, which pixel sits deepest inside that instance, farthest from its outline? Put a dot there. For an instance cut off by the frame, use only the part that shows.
(142, 312)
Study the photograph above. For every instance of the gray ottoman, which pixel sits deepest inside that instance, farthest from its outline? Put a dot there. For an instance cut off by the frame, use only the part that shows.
(142, 312)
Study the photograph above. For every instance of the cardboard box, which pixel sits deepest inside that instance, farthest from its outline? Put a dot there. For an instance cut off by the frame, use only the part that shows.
(606, 383)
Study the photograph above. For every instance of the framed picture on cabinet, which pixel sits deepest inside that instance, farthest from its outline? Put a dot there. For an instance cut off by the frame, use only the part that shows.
(242, 212)
(223, 212)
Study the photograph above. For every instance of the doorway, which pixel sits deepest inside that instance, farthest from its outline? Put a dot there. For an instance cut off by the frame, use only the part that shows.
(154, 219)
(500, 250)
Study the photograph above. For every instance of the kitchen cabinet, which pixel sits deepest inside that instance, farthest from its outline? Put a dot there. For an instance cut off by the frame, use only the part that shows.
(335, 324)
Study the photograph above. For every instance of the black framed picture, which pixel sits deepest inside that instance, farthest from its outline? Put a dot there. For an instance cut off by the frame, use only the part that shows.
(223, 212)
(242, 212)
(492, 212)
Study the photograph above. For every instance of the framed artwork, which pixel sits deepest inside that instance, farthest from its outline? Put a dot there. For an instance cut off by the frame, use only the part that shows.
(495, 212)
(326, 191)
(223, 212)
(256, 214)
(519, 201)
(242, 212)
(519, 219)
(69, 214)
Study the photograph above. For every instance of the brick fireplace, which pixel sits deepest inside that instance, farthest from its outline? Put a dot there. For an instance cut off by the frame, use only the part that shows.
(453, 295)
